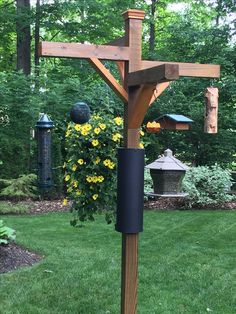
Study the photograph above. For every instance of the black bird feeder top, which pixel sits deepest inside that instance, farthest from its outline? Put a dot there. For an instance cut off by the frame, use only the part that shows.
(44, 122)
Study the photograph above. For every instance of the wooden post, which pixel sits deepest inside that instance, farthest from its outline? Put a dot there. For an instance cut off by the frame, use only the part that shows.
(211, 110)
(129, 272)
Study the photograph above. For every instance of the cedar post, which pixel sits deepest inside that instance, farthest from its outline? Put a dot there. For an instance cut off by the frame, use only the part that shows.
(129, 276)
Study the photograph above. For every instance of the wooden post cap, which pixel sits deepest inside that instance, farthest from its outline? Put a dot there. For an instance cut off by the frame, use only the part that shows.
(134, 14)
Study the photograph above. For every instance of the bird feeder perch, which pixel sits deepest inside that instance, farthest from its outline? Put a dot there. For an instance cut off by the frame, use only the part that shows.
(167, 174)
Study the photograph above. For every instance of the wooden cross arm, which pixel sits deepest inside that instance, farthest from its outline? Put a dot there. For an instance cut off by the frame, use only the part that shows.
(154, 75)
(188, 69)
(76, 50)
(109, 79)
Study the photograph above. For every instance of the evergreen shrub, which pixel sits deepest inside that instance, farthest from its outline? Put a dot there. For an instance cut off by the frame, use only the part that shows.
(20, 188)
(207, 185)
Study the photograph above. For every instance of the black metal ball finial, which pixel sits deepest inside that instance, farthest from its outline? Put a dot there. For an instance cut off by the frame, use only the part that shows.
(80, 113)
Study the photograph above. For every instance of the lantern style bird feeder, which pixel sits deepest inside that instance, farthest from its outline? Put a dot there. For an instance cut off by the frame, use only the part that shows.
(167, 174)
(44, 126)
(80, 113)
(174, 122)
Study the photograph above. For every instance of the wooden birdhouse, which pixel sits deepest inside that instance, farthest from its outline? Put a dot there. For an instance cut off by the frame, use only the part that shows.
(174, 122)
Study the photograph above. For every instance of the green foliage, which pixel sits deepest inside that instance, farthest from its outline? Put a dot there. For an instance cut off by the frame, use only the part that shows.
(207, 185)
(90, 170)
(148, 183)
(21, 188)
(6, 234)
(7, 208)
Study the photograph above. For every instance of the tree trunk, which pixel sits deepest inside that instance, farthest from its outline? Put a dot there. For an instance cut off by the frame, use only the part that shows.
(36, 38)
(23, 36)
(152, 28)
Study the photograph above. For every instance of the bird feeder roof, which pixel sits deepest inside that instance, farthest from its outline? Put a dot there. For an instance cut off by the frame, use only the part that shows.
(44, 122)
(167, 162)
(176, 118)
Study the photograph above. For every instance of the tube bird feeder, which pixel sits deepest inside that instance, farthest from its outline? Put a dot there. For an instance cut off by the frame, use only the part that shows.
(44, 138)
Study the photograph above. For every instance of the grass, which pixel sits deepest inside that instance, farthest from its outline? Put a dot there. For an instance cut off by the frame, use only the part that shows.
(187, 264)
(11, 208)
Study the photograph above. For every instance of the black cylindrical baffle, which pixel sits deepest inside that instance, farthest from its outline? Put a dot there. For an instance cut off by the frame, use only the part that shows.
(44, 126)
(130, 190)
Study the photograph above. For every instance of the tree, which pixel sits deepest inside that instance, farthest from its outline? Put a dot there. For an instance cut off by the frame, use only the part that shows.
(23, 36)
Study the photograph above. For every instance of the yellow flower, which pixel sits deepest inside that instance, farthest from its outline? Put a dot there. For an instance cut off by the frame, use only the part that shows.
(97, 130)
(74, 167)
(78, 192)
(102, 126)
(95, 196)
(80, 161)
(111, 165)
(77, 127)
(68, 133)
(65, 202)
(106, 162)
(116, 137)
(100, 179)
(141, 133)
(84, 132)
(87, 127)
(95, 142)
(67, 177)
(89, 179)
(75, 184)
(141, 145)
(97, 160)
(118, 120)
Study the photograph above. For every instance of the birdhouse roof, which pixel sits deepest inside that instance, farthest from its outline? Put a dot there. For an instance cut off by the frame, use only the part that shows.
(167, 162)
(175, 117)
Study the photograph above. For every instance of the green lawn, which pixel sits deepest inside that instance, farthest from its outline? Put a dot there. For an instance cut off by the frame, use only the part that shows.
(187, 265)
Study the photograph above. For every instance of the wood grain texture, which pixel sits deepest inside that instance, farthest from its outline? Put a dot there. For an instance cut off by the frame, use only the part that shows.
(76, 50)
(140, 105)
(129, 279)
(188, 69)
(154, 75)
(109, 79)
(211, 110)
(129, 273)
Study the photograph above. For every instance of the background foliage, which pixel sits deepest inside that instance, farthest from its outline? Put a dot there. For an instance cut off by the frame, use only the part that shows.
(189, 31)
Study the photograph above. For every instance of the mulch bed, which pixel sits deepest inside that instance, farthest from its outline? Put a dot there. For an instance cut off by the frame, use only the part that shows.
(13, 256)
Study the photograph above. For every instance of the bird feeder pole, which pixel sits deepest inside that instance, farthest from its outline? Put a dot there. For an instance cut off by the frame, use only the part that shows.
(142, 82)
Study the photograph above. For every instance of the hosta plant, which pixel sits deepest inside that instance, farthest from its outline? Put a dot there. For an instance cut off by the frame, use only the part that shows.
(6, 234)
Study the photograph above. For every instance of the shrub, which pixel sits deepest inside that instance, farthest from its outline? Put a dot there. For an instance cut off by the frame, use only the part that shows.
(15, 209)
(6, 234)
(90, 171)
(207, 185)
(21, 188)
